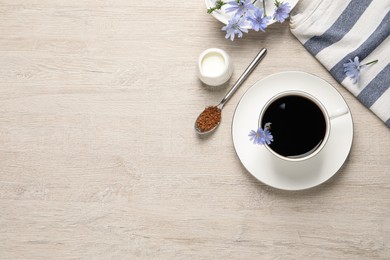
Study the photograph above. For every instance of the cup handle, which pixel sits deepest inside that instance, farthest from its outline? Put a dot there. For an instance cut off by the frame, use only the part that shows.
(338, 112)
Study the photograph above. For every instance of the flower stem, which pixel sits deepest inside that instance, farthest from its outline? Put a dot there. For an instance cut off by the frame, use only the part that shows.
(371, 62)
(265, 12)
(218, 6)
(242, 16)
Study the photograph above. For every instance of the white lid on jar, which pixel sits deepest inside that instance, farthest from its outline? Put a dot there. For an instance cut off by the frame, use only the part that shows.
(214, 67)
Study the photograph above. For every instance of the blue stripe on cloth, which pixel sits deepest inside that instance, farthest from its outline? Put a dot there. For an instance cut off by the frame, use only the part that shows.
(373, 41)
(343, 24)
(388, 122)
(370, 94)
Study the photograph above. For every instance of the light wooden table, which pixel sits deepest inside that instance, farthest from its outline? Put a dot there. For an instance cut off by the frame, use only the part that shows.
(99, 160)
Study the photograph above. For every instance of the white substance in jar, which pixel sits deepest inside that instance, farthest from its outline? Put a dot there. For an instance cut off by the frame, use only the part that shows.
(213, 64)
(214, 67)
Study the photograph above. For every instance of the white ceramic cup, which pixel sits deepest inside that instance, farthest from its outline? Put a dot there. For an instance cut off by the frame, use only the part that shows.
(328, 116)
(214, 67)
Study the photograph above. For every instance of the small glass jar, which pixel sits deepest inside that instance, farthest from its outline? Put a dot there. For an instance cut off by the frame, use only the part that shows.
(214, 67)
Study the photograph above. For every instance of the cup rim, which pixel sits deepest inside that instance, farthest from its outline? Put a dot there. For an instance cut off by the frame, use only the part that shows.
(314, 100)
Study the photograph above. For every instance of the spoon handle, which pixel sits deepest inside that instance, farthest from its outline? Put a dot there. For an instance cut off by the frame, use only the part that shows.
(243, 77)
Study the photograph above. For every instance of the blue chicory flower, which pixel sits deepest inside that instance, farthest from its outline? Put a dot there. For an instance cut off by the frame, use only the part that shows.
(259, 21)
(235, 26)
(352, 69)
(282, 11)
(261, 136)
(240, 7)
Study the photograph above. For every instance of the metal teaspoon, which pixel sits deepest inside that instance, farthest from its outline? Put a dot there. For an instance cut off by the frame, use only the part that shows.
(233, 90)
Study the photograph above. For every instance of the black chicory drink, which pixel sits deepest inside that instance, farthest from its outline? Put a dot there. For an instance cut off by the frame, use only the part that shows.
(298, 125)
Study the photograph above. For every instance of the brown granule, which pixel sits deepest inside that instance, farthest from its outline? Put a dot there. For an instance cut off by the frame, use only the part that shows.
(209, 118)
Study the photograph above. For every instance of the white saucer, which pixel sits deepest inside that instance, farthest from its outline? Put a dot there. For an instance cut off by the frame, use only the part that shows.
(224, 17)
(276, 172)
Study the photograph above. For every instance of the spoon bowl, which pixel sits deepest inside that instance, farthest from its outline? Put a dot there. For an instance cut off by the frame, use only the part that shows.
(205, 132)
(199, 131)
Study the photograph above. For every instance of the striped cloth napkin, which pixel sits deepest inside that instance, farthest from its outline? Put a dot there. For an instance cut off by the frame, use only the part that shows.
(335, 31)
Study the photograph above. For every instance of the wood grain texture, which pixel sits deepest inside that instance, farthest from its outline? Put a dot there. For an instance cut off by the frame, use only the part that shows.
(99, 160)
